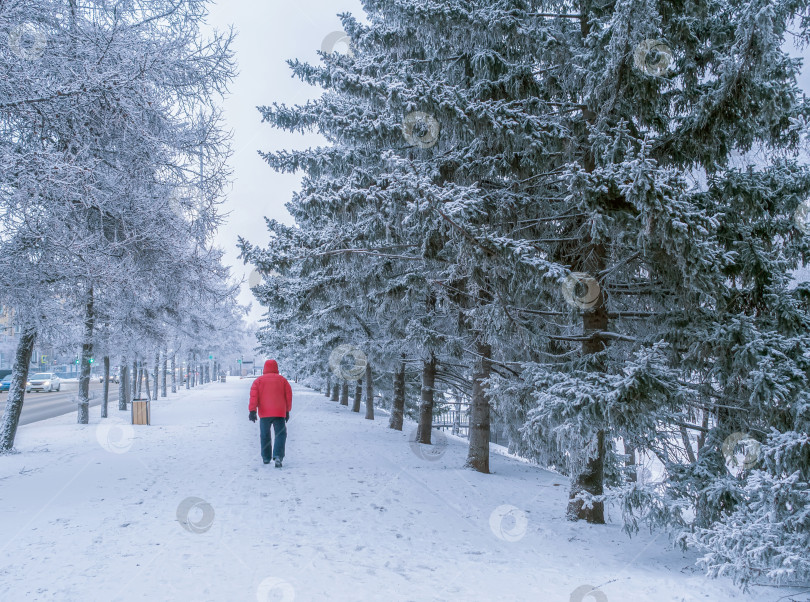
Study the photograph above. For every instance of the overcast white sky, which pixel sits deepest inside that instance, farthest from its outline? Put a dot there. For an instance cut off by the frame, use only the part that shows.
(269, 33)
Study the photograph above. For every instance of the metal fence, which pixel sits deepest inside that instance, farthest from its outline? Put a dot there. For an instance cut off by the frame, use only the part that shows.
(455, 419)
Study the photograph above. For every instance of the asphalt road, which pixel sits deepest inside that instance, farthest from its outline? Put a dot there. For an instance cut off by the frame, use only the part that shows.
(40, 406)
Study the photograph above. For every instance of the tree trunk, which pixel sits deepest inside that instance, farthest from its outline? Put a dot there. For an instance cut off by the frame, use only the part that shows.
(358, 394)
(145, 371)
(336, 390)
(328, 384)
(630, 462)
(591, 480)
(478, 452)
(123, 384)
(344, 393)
(174, 372)
(426, 407)
(16, 392)
(188, 372)
(139, 379)
(398, 406)
(157, 373)
(87, 354)
(163, 372)
(369, 393)
(134, 377)
(105, 395)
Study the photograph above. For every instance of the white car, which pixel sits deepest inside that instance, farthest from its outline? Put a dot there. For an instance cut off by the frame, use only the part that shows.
(45, 381)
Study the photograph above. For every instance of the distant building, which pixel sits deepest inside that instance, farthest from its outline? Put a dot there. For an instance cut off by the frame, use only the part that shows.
(8, 337)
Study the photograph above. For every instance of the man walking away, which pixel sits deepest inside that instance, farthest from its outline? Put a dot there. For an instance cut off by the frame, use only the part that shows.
(271, 395)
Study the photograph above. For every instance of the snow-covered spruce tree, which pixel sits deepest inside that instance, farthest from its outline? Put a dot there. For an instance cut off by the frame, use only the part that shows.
(347, 253)
(727, 344)
(590, 164)
(749, 483)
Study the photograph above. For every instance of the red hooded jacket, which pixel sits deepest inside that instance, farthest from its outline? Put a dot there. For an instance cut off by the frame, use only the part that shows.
(271, 393)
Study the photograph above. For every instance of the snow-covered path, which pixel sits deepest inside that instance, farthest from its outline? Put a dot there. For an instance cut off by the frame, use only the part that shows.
(91, 513)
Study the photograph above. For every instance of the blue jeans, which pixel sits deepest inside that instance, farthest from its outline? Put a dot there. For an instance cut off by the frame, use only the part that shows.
(280, 427)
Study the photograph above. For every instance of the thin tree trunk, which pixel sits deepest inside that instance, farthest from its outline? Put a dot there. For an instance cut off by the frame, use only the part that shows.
(16, 392)
(140, 379)
(336, 390)
(105, 396)
(328, 384)
(630, 461)
(344, 393)
(163, 372)
(174, 372)
(157, 373)
(134, 388)
(358, 394)
(426, 407)
(123, 384)
(188, 372)
(398, 405)
(478, 452)
(369, 393)
(146, 378)
(87, 354)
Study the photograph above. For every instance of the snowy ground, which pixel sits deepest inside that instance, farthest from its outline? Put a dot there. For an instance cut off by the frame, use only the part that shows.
(185, 510)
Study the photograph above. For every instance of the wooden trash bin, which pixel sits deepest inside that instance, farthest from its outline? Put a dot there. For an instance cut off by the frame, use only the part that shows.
(141, 412)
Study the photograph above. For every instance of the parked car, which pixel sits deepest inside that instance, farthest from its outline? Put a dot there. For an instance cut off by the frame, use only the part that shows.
(45, 381)
(5, 384)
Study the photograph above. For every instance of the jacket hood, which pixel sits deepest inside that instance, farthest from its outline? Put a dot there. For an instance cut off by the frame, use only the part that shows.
(270, 367)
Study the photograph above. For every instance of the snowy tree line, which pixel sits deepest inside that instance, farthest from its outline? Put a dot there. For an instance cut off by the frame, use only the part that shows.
(112, 169)
(551, 210)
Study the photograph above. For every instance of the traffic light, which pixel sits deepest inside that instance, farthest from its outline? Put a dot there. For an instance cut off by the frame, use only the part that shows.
(77, 360)
(91, 360)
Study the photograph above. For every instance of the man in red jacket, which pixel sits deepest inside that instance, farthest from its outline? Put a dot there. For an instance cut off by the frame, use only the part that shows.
(271, 394)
